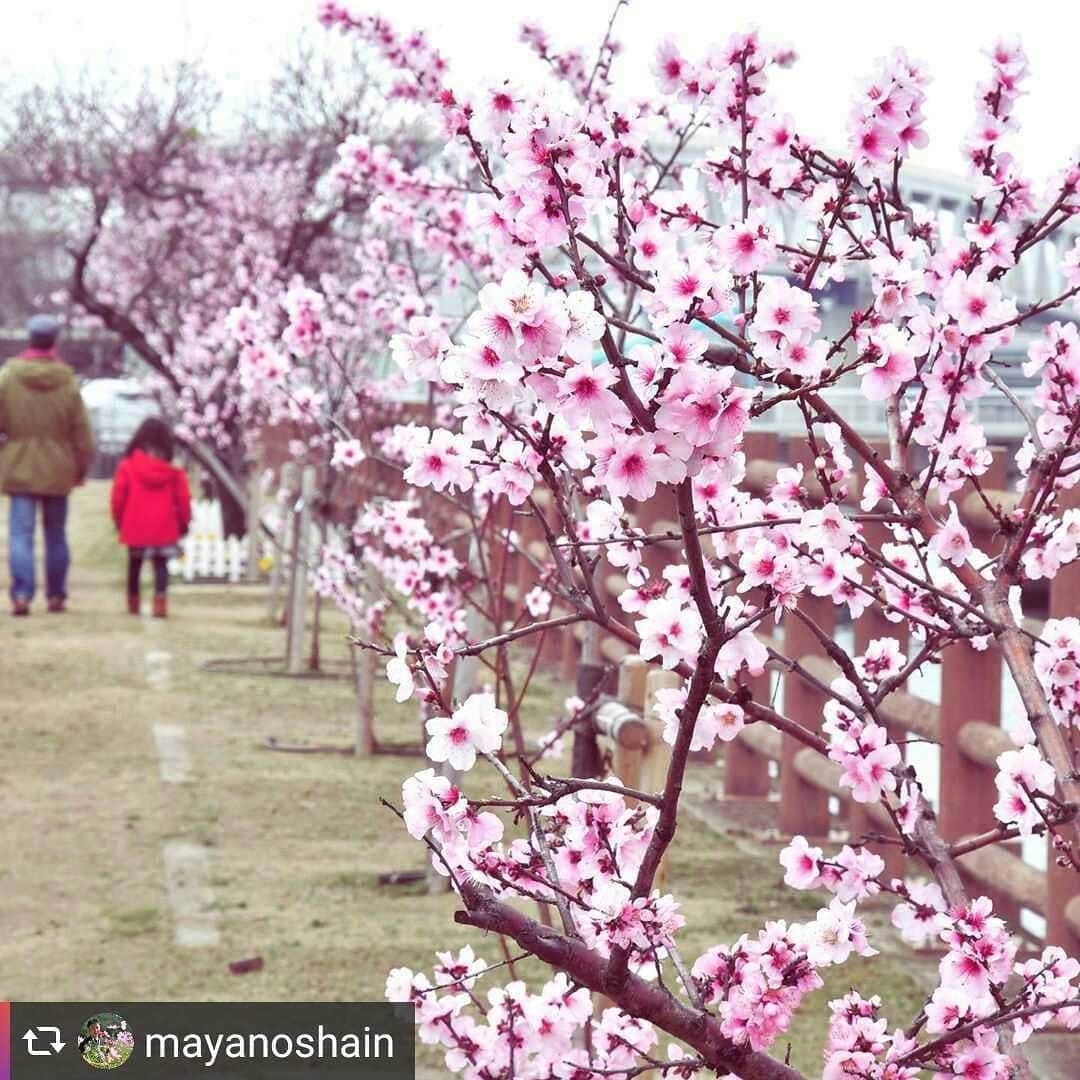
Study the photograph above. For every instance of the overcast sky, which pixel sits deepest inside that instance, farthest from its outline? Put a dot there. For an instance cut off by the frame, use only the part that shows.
(838, 42)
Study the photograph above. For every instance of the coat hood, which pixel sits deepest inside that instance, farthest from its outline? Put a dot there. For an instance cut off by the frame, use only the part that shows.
(41, 375)
(150, 470)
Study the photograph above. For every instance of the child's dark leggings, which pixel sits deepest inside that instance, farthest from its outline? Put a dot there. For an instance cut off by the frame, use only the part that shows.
(161, 572)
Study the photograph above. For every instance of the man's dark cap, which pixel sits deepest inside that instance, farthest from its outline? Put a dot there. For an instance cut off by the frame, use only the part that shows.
(43, 329)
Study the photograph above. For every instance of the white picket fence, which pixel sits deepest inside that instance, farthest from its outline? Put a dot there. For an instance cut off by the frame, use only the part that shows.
(206, 552)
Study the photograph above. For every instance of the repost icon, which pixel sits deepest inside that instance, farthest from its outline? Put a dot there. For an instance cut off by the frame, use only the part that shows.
(43, 1041)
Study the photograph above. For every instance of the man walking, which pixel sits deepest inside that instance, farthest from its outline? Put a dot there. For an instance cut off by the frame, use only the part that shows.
(45, 450)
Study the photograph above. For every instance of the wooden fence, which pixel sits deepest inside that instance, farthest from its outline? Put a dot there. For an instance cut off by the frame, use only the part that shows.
(966, 724)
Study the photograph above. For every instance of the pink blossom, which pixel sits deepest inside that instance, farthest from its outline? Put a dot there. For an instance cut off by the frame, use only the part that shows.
(348, 453)
(538, 602)
(669, 631)
(922, 916)
(835, 934)
(476, 726)
(442, 461)
(586, 398)
(398, 671)
(973, 302)
(894, 366)
(951, 542)
(636, 467)
(745, 246)
(868, 769)
(802, 864)
(785, 310)
(432, 802)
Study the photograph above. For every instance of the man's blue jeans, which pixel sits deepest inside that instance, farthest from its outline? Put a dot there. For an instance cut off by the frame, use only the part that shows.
(21, 545)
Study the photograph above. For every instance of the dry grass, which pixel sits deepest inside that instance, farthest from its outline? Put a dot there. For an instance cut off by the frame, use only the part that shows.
(296, 841)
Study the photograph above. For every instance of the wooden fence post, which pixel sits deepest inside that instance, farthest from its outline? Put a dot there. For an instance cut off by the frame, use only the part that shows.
(804, 808)
(297, 602)
(629, 751)
(970, 691)
(659, 514)
(971, 694)
(254, 519)
(290, 484)
(1063, 882)
(363, 667)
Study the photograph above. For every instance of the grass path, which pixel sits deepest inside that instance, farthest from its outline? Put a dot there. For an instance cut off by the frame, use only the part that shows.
(294, 842)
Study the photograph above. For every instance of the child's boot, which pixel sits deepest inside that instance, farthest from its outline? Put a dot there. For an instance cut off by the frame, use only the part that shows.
(133, 603)
(161, 608)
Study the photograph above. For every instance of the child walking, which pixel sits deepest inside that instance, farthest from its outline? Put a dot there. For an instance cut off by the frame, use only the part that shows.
(151, 506)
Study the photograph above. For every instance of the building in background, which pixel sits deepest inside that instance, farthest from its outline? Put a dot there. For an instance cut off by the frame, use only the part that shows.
(1037, 277)
(116, 407)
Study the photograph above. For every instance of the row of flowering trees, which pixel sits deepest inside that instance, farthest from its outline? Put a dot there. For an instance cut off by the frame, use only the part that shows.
(614, 251)
(627, 327)
(179, 213)
(624, 338)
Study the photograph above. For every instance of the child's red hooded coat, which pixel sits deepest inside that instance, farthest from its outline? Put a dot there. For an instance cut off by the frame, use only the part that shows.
(151, 504)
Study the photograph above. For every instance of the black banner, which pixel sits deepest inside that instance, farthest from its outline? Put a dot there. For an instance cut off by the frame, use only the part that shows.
(227, 1041)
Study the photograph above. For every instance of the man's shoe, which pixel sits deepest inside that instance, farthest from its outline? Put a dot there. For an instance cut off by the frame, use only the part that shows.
(133, 603)
(56, 605)
(161, 608)
(19, 606)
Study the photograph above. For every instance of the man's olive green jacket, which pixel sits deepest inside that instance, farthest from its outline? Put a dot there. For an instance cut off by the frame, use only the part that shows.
(45, 439)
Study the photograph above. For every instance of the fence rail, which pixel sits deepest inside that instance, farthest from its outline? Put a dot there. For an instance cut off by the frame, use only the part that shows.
(965, 724)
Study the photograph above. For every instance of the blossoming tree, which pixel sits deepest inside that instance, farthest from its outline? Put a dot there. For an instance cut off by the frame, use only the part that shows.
(627, 337)
(174, 213)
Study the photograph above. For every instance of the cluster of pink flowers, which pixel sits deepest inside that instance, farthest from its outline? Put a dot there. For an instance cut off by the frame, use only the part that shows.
(850, 875)
(474, 727)
(394, 541)
(758, 983)
(514, 1030)
(974, 974)
(1024, 776)
(1055, 358)
(594, 842)
(630, 319)
(995, 99)
(731, 83)
(861, 746)
(784, 327)
(410, 54)
(886, 121)
(716, 720)
(1048, 979)
(1057, 664)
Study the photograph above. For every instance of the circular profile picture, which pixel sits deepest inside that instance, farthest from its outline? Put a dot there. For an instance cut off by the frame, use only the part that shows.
(106, 1041)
